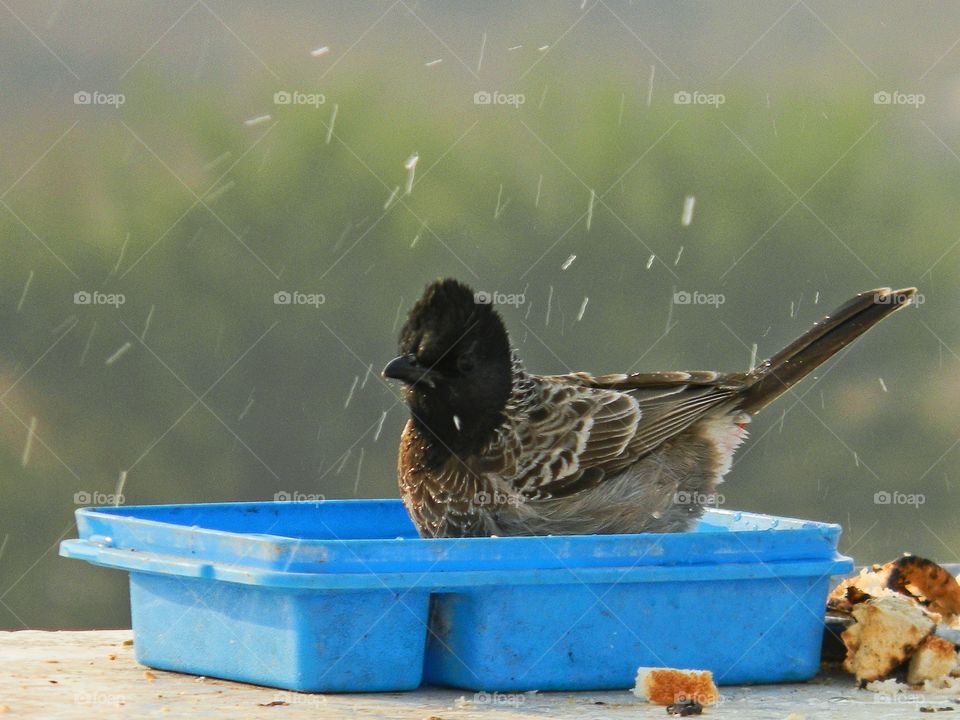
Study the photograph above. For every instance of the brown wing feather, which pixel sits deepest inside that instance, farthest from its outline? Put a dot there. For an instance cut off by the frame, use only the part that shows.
(584, 428)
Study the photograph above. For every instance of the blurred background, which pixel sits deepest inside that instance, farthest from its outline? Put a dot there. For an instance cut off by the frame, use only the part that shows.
(214, 217)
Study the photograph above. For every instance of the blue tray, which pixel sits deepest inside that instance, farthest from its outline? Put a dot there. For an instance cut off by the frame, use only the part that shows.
(344, 596)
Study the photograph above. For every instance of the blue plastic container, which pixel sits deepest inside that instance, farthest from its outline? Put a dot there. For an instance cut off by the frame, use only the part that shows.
(344, 596)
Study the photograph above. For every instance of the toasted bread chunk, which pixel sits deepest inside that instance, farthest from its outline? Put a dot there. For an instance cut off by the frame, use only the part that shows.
(934, 660)
(887, 631)
(666, 686)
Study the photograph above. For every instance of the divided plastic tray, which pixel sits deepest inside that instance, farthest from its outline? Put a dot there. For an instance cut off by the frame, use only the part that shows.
(343, 596)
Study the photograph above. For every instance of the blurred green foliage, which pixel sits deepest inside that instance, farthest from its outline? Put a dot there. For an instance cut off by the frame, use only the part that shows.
(198, 219)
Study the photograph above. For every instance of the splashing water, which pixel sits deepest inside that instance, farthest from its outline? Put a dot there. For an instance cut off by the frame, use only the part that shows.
(26, 287)
(376, 434)
(86, 346)
(333, 120)
(483, 45)
(146, 324)
(246, 408)
(583, 308)
(393, 196)
(687, 217)
(118, 495)
(31, 431)
(119, 353)
(353, 387)
(356, 483)
(411, 167)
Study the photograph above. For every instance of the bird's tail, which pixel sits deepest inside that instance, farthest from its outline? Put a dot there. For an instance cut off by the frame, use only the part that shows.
(775, 376)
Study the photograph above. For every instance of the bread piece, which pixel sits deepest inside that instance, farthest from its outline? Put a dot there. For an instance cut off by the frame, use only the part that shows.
(910, 575)
(887, 631)
(934, 660)
(666, 686)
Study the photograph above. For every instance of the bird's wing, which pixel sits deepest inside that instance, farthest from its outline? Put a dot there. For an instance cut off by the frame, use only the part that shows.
(579, 428)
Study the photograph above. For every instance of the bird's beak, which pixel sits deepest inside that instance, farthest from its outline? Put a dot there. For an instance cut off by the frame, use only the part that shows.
(406, 369)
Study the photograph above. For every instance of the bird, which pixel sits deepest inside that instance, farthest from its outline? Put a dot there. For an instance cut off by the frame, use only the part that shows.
(491, 449)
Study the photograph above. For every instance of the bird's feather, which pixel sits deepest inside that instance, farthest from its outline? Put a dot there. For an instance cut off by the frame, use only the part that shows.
(576, 430)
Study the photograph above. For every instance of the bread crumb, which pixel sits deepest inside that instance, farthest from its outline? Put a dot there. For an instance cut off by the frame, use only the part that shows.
(666, 686)
(948, 685)
(127, 643)
(887, 687)
(149, 676)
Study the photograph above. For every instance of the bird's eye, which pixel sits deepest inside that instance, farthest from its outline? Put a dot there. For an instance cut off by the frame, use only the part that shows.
(464, 363)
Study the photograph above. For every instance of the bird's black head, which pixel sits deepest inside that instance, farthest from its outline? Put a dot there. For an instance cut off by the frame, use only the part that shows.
(455, 364)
